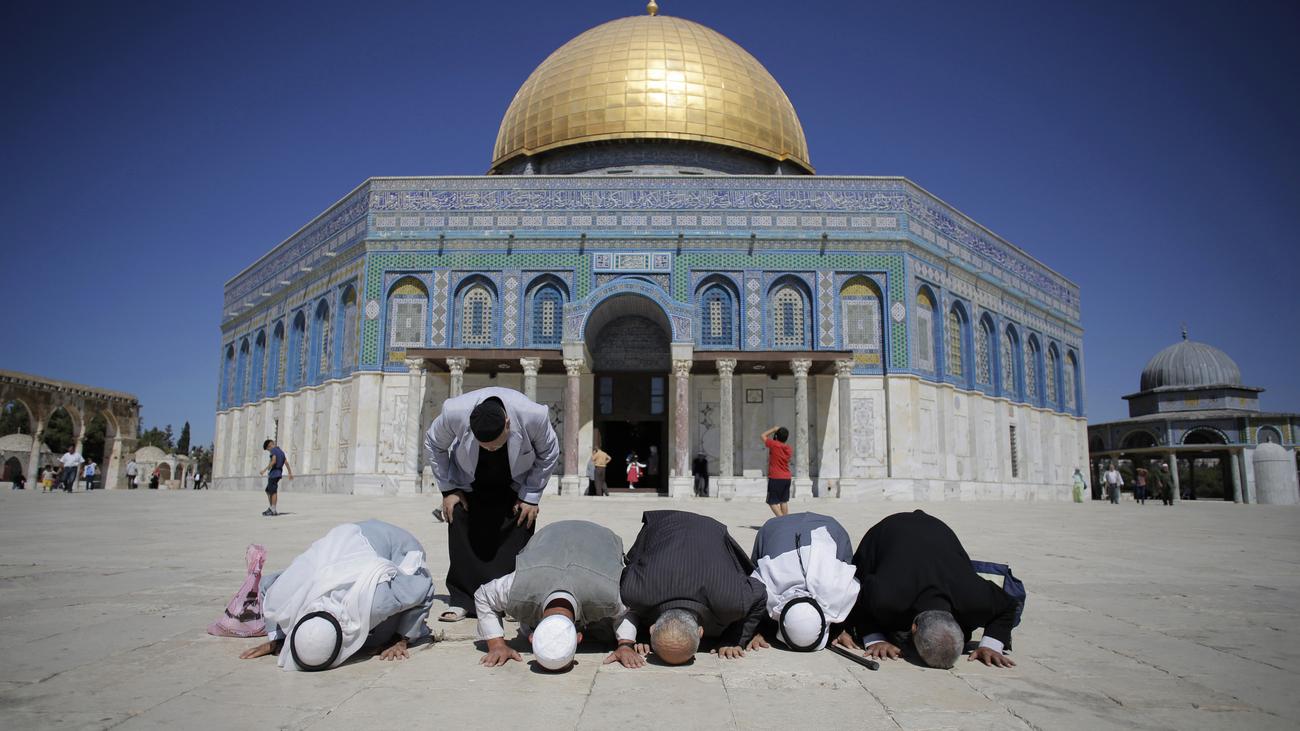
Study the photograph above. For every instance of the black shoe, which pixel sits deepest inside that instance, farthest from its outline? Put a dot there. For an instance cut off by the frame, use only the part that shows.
(268, 512)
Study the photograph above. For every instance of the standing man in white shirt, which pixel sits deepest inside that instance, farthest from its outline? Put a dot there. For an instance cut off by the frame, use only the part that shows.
(131, 469)
(91, 470)
(1114, 481)
(71, 462)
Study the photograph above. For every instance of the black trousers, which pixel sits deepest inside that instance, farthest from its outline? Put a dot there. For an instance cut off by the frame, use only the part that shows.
(482, 543)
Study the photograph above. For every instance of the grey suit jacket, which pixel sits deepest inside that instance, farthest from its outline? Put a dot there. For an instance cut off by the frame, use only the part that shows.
(452, 450)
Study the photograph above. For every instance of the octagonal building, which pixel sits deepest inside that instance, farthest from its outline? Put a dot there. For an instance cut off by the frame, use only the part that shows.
(652, 256)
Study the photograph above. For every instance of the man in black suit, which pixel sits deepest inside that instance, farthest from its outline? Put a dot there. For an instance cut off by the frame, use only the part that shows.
(916, 577)
(689, 579)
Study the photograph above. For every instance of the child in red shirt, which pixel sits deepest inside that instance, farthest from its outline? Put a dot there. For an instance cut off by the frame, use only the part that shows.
(634, 470)
(778, 469)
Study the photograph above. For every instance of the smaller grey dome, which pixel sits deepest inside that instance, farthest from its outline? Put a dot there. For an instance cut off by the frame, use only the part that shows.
(1190, 364)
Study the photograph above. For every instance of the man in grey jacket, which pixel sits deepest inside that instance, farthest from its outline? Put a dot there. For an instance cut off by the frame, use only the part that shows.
(492, 451)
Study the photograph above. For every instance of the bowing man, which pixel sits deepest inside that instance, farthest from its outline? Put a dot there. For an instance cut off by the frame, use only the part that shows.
(916, 577)
(492, 451)
(362, 587)
(689, 579)
(565, 582)
(805, 561)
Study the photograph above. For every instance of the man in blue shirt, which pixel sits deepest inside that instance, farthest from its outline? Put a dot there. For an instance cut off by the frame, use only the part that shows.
(277, 466)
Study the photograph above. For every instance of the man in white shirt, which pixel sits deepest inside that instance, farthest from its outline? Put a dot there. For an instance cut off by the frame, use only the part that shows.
(71, 462)
(565, 580)
(1114, 481)
(131, 470)
(89, 474)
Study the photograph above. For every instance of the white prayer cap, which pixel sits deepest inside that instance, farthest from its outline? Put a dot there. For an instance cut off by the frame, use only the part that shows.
(803, 625)
(555, 641)
(316, 641)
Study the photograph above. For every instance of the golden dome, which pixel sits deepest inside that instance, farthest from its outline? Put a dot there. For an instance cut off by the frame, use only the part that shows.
(651, 77)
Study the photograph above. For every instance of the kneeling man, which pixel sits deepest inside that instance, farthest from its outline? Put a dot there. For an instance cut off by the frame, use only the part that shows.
(688, 578)
(805, 561)
(363, 587)
(565, 581)
(916, 577)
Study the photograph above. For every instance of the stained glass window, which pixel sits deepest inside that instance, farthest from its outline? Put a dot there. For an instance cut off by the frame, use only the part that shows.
(984, 355)
(924, 332)
(1008, 364)
(547, 308)
(787, 318)
(956, 360)
(476, 317)
(716, 317)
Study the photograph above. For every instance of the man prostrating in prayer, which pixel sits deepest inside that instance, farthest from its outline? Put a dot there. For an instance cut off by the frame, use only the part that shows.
(492, 451)
(689, 579)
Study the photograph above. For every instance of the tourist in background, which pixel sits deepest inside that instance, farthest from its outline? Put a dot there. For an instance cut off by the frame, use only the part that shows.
(778, 469)
(71, 462)
(634, 470)
(599, 461)
(1114, 481)
(20, 481)
(153, 479)
(132, 469)
(47, 478)
(89, 474)
(277, 465)
(1079, 485)
(700, 471)
(1140, 485)
(1163, 483)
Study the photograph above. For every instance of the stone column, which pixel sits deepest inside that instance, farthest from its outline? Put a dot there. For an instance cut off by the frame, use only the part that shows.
(681, 461)
(34, 457)
(409, 482)
(530, 366)
(726, 435)
(1175, 492)
(1236, 476)
(844, 385)
(802, 481)
(456, 366)
(572, 480)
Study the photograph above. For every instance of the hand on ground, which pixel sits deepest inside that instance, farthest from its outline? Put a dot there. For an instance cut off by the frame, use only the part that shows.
(498, 654)
(884, 650)
(757, 643)
(627, 656)
(846, 640)
(729, 653)
(266, 648)
(396, 652)
(988, 656)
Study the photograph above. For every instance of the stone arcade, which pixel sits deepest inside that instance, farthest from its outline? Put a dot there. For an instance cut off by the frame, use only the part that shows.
(653, 257)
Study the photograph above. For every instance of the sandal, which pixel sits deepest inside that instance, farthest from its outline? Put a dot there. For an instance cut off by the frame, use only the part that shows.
(453, 614)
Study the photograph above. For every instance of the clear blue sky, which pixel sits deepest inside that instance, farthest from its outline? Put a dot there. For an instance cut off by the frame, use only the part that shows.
(150, 150)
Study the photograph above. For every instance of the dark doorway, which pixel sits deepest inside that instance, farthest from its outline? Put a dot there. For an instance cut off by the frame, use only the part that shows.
(12, 469)
(621, 439)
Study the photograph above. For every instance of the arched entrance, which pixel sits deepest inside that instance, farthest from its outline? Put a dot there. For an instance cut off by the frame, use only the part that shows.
(628, 336)
(1205, 474)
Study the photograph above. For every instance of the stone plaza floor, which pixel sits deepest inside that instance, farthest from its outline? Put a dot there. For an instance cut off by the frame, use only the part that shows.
(1139, 617)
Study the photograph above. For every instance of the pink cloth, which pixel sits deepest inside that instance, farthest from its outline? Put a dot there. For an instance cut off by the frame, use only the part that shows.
(243, 616)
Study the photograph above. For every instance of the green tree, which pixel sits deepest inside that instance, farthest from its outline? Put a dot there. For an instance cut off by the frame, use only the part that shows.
(183, 444)
(155, 437)
(92, 447)
(14, 419)
(58, 432)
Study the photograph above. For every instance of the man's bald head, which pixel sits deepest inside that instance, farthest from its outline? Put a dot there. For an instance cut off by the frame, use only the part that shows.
(675, 636)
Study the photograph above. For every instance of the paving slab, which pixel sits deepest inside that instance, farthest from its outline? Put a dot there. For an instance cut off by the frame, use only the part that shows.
(1139, 617)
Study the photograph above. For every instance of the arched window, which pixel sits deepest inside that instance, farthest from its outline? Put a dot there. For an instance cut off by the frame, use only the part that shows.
(298, 352)
(1031, 370)
(717, 317)
(955, 333)
(789, 322)
(547, 315)
(476, 316)
(1050, 383)
(275, 376)
(347, 339)
(408, 308)
(259, 365)
(984, 352)
(1268, 435)
(227, 376)
(241, 374)
(320, 343)
(860, 318)
(1071, 382)
(1010, 363)
(925, 333)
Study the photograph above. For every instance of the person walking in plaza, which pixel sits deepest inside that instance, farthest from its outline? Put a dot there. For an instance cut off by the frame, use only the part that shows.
(1079, 485)
(194, 479)
(47, 478)
(599, 461)
(778, 469)
(1162, 483)
(153, 479)
(20, 481)
(131, 470)
(276, 466)
(634, 471)
(71, 462)
(1114, 481)
(1140, 485)
(492, 451)
(89, 474)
